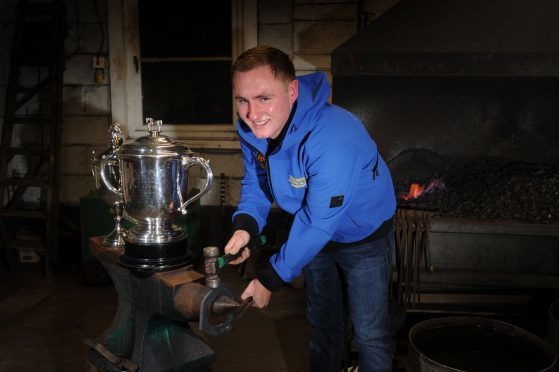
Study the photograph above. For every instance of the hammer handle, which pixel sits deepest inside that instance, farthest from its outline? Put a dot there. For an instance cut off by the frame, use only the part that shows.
(254, 243)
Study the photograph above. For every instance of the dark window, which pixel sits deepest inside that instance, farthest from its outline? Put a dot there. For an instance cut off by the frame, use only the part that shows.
(186, 61)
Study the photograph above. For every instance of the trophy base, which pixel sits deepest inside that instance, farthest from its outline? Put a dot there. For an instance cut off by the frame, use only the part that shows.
(115, 239)
(156, 257)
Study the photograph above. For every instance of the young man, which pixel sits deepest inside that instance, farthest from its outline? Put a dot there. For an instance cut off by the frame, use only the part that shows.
(318, 163)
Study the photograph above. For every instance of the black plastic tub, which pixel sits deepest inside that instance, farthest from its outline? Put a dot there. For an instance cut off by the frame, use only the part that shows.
(476, 344)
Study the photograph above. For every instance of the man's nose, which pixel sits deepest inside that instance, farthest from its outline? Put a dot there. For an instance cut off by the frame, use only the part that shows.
(253, 111)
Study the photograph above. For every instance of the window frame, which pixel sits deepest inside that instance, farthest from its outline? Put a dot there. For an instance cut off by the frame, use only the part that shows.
(125, 74)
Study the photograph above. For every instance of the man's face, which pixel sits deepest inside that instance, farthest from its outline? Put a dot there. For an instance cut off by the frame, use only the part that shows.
(263, 102)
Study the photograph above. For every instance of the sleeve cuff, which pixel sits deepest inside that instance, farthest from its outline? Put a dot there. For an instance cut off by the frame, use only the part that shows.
(270, 278)
(245, 222)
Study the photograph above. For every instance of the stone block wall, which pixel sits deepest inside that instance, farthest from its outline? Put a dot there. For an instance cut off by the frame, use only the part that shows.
(7, 18)
(86, 110)
(86, 106)
(307, 30)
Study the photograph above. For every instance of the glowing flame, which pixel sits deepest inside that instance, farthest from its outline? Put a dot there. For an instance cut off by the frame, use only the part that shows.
(416, 189)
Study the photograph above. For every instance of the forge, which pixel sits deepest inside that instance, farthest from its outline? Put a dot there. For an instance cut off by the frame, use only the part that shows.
(461, 98)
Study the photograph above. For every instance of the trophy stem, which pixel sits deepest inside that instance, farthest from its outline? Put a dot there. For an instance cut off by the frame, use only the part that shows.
(115, 238)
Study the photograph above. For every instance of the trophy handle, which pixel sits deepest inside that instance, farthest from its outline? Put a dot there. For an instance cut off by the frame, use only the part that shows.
(187, 162)
(94, 163)
(106, 182)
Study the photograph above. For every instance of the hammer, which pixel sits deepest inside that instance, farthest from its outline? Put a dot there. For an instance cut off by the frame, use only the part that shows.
(212, 263)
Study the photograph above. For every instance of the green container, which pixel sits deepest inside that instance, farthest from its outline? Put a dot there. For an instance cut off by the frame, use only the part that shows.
(96, 219)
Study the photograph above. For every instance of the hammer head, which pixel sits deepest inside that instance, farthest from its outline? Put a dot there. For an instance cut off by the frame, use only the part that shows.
(211, 266)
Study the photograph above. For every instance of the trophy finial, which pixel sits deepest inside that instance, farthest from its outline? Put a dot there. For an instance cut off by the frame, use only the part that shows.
(116, 137)
(154, 126)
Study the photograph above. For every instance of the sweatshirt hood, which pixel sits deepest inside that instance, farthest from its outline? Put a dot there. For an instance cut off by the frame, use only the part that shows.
(314, 91)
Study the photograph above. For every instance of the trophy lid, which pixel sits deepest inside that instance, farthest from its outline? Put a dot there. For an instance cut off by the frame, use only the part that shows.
(155, 143)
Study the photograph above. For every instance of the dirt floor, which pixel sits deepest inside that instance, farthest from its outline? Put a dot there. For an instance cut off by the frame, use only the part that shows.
(44, 322)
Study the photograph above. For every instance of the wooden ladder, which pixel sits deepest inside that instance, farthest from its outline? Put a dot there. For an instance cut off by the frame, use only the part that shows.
(30, 147)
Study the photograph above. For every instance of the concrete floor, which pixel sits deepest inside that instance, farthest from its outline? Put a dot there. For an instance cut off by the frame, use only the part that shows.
(44, 322)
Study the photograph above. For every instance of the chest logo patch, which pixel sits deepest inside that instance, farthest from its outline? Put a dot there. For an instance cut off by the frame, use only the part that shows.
(262, 160)
(297, 182)
(336, 201)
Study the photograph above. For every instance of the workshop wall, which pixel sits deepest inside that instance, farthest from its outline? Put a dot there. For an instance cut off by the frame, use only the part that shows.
(86, 111)
(4, 47)
(307, 30)
(86, 108)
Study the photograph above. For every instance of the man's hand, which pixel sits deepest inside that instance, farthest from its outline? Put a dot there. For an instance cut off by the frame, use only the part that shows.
(238, 241)
(258, 292)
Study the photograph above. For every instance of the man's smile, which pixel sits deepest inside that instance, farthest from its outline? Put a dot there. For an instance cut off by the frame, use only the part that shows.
(260, 123)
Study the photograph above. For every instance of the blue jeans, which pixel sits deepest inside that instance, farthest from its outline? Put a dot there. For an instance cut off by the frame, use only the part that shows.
(362, 272)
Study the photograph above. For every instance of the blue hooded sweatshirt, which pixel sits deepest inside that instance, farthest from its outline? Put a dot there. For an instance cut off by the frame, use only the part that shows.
(327, 172)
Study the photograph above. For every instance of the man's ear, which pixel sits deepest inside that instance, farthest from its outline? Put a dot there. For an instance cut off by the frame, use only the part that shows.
(293, 90)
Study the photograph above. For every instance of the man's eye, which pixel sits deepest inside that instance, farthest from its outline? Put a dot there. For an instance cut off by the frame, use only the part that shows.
(240, 100)
(264, 99)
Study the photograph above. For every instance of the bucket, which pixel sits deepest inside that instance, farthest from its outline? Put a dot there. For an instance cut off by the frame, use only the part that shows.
(553, 326)
(476, 344)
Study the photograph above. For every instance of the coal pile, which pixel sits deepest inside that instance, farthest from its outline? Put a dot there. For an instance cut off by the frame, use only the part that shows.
(488, 189)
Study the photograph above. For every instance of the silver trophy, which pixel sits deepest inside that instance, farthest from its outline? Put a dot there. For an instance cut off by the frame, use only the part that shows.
(115, 238)
(153, 184)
